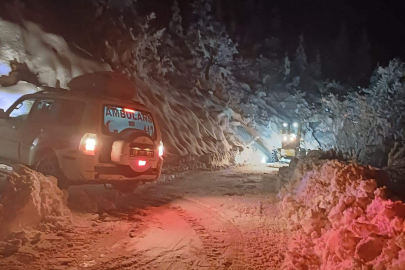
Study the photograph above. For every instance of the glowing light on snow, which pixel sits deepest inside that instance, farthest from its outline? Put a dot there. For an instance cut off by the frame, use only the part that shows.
(264, 159)
(5, 69)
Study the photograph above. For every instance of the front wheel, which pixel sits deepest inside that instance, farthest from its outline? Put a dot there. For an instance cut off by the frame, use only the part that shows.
(48, 165)
(125, 186)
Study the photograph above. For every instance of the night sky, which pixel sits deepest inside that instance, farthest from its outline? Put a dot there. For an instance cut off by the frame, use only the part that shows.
(384, 22)
(318, 20)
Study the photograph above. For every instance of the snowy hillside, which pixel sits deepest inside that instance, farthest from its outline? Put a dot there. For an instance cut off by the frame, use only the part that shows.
(189, 129)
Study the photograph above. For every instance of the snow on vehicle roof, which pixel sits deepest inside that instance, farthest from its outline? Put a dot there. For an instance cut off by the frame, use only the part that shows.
(61, 92)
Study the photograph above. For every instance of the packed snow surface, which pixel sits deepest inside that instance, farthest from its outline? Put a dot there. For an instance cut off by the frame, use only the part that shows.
(197, 220)
(339, 218)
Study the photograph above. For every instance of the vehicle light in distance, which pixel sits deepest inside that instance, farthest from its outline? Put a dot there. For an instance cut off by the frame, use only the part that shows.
(292, 138)
(141, 163)
(285, 125)
(88, 144)
(285, 138)
(295, 124)
(161, 149)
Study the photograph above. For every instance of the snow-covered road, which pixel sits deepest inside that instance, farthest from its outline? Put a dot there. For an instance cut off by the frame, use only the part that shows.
(203, 220)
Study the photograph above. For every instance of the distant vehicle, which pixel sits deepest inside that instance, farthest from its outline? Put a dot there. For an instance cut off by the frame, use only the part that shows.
(291, 141)
(89, 134)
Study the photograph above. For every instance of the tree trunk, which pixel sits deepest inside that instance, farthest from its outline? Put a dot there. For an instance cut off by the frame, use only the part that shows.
(207, 70)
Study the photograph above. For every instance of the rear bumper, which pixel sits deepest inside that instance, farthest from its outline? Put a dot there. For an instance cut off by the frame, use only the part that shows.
(87, 169)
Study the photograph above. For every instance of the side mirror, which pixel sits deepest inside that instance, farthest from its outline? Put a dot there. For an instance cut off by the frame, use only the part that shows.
(3, 114)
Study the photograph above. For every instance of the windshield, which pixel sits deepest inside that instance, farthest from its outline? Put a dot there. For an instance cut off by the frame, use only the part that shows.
(117, 119)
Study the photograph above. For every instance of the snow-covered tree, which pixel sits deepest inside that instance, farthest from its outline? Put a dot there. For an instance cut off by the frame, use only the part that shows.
(276, 21)
(300, 61)
(175, 25)
(362, 60)
(340, 59)
(209, 42)
(315, 67)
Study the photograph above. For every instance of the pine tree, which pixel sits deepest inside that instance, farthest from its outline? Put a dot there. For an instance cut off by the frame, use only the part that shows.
(208, 40)
(341, 53)
(315, 68)
(362, 61)
(175, 25)
(276, 21)
(300, 62)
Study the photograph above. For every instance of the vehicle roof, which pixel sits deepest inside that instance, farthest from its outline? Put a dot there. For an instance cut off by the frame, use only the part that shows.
(73, 95)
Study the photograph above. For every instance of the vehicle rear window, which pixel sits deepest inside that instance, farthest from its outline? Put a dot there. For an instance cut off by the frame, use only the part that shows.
(117, 119)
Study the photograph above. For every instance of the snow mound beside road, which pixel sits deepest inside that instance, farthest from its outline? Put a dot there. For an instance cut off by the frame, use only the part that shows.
(30, 199)
(340, 219)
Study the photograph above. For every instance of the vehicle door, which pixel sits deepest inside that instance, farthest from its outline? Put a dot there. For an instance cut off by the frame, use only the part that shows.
(12, 126)
(41, 120)
(52, 123)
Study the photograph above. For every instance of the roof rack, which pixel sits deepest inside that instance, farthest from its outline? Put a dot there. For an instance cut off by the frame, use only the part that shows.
(47, 89)
(53, 90)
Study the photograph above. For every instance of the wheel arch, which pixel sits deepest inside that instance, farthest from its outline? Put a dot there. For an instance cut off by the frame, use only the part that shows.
(42, 151)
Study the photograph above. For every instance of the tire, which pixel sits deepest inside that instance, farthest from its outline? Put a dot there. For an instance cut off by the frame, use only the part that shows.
(125, 186)
(48, 165)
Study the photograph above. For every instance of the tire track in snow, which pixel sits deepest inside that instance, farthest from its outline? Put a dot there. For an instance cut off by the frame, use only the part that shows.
(234, 255)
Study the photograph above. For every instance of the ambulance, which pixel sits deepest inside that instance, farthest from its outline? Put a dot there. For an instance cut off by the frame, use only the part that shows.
(93, 133)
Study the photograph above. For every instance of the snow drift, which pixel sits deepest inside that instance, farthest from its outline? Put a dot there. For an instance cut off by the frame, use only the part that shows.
(339, 218)
(30, 200)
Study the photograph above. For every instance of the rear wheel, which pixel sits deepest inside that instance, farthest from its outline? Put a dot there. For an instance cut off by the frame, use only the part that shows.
(125, 186)
(48, 165)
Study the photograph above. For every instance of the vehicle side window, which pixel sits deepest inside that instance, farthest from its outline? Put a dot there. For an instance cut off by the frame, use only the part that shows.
(43, 111)
(70, 112)
(21, 111)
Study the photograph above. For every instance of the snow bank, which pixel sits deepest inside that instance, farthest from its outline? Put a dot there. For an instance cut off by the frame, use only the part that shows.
(29, 199)
(340, 219)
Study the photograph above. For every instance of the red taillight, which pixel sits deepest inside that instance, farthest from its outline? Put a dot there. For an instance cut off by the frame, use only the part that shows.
(129, 110)
(88, 144)
(141, 163)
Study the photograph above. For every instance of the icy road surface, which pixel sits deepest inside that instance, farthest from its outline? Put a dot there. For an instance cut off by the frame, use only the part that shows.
(205, 220)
